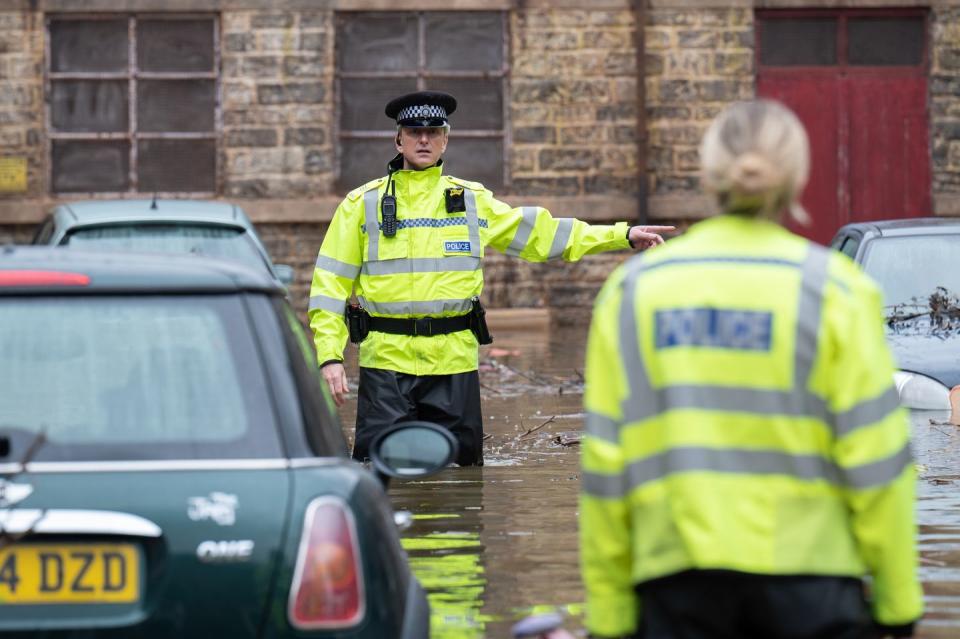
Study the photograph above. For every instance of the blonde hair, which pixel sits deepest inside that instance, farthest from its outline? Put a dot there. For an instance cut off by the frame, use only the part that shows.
(756, 159)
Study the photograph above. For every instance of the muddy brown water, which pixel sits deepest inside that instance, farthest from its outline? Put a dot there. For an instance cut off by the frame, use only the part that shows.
(493, 544)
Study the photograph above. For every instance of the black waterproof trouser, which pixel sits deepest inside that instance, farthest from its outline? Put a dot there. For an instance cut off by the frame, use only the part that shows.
(701, 604)
(386, 398)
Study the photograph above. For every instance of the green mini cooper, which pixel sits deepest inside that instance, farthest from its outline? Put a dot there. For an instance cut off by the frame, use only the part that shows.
(171, 465)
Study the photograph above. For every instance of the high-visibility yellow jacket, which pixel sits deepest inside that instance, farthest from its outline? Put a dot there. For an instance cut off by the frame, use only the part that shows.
(741, 415)
(431, 268)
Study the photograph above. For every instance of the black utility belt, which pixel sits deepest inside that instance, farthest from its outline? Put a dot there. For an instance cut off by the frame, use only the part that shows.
(420, 326)
(359, 323)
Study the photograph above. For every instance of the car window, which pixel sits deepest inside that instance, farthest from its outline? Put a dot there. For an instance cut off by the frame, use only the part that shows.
(216, 241)
(320, 411)
(44, 232)
(849, 247)
(117, 378)
(911, 268)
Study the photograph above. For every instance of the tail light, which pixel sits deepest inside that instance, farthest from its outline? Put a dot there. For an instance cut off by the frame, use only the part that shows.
(42, 278)
(327, 589)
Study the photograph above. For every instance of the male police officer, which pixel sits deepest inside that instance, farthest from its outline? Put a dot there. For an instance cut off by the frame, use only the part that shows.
(409, 245)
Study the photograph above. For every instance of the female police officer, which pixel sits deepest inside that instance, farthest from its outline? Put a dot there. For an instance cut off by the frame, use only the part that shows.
(410, 245)
(746, 461)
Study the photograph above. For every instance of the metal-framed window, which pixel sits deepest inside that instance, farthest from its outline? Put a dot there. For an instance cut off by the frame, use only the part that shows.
(133, 103)
(381, 55)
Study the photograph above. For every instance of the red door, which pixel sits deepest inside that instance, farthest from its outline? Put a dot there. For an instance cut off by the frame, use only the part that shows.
(857, 79)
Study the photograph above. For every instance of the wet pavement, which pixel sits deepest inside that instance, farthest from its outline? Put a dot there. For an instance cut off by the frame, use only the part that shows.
(493, 544)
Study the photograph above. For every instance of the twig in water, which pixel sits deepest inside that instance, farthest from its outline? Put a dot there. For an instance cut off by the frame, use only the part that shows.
(534, 429)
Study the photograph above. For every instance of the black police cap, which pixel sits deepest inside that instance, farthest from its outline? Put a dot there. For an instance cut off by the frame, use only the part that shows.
(421, 109)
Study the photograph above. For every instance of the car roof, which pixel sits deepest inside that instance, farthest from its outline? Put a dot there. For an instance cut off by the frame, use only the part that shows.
(118, 210)
(128, 272)
(909, 226)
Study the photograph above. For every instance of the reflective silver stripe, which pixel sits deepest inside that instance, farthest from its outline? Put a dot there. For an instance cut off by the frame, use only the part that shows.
(603, 486)
(813, 279)
(879, 473)
(732, 461)
(326, 303)
(349, 271)
(641, 402)
(473, 222)
(645, 402)
(524, 230)
(868, 412)
(560, 238)
(421, 265)
(370, 213)
(433, 307)
(602, 427)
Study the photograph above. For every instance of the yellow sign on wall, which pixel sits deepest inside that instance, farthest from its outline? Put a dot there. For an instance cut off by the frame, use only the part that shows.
(13, 175)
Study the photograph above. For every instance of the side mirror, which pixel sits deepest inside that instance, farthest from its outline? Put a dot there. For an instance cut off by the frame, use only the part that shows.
(284, 273)
(412, 449)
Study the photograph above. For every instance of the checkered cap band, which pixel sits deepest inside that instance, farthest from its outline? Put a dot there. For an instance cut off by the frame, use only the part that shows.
(422, 111)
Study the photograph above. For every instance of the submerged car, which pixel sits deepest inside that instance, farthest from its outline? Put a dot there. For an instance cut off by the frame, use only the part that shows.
(217, 229)
(915, 263)
(171, 463)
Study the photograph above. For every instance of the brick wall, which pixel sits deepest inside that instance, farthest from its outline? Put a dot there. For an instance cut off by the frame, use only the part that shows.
(277, 104)
(698, 60)
(945, 110)
(573, 102)
(21, 95)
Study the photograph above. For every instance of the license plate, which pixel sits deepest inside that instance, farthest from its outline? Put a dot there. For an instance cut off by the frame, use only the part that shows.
(69, 573)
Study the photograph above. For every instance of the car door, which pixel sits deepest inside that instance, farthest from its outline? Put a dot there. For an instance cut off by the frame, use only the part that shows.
(139, 438)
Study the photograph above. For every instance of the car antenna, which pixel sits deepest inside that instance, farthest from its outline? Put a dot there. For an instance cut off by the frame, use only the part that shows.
(153, 204)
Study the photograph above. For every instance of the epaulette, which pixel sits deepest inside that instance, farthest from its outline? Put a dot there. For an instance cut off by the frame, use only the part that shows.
(473, 186)
(360, 190)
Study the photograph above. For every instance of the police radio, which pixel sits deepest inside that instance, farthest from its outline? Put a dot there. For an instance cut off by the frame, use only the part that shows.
(388, 208)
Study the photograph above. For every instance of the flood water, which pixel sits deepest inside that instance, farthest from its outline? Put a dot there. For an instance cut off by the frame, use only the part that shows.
(496, 543)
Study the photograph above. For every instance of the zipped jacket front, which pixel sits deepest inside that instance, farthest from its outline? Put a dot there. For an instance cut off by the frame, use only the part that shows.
(741, 415)
(432, 267)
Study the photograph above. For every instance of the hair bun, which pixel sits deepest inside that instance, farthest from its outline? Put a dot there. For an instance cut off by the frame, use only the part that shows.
(752, 173)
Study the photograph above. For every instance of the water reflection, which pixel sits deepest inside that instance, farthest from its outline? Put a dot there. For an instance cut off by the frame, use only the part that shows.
(493, 544)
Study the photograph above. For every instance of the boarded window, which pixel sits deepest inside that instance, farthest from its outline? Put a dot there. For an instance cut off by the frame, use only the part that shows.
(132, 104)
(799, 42)
(384, 55)
(885, 41)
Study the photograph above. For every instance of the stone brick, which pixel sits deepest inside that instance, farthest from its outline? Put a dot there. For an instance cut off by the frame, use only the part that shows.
(316, 115)
(20, 68)
(675, 91)
(549, 41)
(653, 64)
(18, 117)
(657, 39)
(13, 20)
(620, 63)
(624, 89)
(523, 160)
(668, 113)
(554, 186)
(672, 17)
(317, 161)
(726, 17)
(265, 161)
(261, 66)
(236, 94)
(733, 63)
(674, 134)
(625, 134)
(947, 60)
(549, 19)
(605, 184)
(688, 159)
(720, 90)
(19, 95)
(608, 39)
(619, 159)
(535, 135)
(251, 137)
(579, 135)
(687, 63)
(269, 188)
(278, 20)
(306, 65)
(292, 93)
(235, 21)
(568, 159)
(308, 136)
(697, 39)
(600, 18)
(739, 39)
(238, 42)
(256, 116)
(617, 112)
(11, 138)
(530, 113)
(953, 155)
(944, 85)
(315, 19)
(660, 158)
(278, 40)
(676, 183)
(313, 41)
(553, 91)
